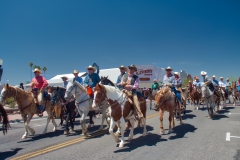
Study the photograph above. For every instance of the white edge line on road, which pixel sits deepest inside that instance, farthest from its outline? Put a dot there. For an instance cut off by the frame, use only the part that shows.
(228, 136)
(233, 113)
(235, 136)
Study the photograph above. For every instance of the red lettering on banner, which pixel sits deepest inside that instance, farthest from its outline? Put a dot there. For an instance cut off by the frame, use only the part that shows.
(145, 72)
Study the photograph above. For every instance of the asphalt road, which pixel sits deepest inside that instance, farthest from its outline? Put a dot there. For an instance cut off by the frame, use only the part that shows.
(198, 138)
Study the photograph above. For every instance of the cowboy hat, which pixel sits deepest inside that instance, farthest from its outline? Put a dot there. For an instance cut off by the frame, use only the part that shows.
(64, 77)
(168, 68)
(133, 66)
(197, 77)
(214, 76)
(91, 67)
(37, 70)
(227, 79)
(122, 66)
(154, 80)
(176, 73)
(221, 78)
(75, 71)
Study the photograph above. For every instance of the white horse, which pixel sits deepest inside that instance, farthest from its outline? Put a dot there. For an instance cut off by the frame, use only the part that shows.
(207, 96)
(82, 102)
(120, 109)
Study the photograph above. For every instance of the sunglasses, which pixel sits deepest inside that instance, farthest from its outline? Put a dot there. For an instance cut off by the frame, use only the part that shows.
(131, 68)
(90, 69)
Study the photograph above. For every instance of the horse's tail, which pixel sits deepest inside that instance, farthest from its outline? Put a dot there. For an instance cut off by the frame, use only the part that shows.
(6, 124)
(92, 114)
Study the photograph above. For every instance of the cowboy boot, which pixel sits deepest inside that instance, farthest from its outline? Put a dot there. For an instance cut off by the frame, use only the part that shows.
(137, 107)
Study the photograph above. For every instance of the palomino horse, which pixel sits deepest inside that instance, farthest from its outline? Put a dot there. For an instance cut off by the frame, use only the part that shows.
(4, 119)
(82, 102)
(195, 96)
(121, 109)
(27, 107)
(235, 93)
(208, 98)
(150, 96)
(166, 101)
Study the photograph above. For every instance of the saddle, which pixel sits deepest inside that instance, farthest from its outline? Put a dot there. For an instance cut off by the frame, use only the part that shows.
(130, 97)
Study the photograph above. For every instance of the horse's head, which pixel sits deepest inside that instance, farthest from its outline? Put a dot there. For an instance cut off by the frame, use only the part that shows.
(205, 91)
(100, 95)
(57, 109)
(104, 80)
(234, 84)
(146, 93)
(161, 95)
(71, 87)
(57, 96)
(6, 92)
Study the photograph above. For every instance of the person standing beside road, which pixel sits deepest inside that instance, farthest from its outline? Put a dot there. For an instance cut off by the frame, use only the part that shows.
(155, 85)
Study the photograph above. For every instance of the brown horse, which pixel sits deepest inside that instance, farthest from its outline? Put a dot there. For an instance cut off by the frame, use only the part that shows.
(195, 95)
(235, 93)
(121, 109)
(151, 96)
(166, 101)
(4, 119)
(27, 107)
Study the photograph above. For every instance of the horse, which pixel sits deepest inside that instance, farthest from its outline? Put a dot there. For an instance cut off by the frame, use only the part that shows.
(235, 93)
(4, 119)
(217, 98)
(121, 109)
(82, 102)
(166, 101)
(106, 81)
(150, 95)
(208, 98)
(195, 96)
(27, 106)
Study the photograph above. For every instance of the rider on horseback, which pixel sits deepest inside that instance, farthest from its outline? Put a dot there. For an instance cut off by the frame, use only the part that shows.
(123, 71)
(197, 82)
(131, 84)
(39, 83)
(212, 85)
(169, 80)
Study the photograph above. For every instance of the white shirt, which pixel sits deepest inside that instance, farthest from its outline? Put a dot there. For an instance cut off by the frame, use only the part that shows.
(222, 84)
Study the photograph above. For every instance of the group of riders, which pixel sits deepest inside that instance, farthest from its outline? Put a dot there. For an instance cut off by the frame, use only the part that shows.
(128, 82)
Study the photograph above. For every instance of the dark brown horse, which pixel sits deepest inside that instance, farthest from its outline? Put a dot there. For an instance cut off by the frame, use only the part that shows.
(4, 119)
(195, 95)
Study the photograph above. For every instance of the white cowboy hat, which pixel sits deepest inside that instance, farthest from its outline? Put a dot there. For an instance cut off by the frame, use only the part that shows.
(227, 79)
(91, 67)
(221, 78)
(168, 68)
(176, 73)
(122, 66)
(214, 76)
(75, 71)
(64, 77)
(37, 70)
(154, 80)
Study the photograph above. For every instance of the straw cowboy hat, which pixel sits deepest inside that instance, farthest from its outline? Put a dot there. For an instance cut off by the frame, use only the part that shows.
(227, 79)
(214, 76)
(168, 68)
(176, 73)
(64, 77)
(75, 71)
(37, 70)
(91, 67)
(122, 66)
(197, 77)
(133, 66)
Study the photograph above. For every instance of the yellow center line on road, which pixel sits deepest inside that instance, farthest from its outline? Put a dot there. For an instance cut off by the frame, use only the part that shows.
(65, 144)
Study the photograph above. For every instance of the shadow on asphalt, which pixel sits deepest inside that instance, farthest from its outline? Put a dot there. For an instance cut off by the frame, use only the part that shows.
(7, 154)
(138, 130)
(188, 111)
(223, 111)
(42, 136)
(150, 139)
(181, 130)
(237, 156)
(188, 116)
(219, 116)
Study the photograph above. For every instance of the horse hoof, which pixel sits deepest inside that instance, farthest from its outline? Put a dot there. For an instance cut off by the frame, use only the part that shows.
(24, 137)
(129, 138)
(71, 131)
(121, 145)
(54, 129)
(33, 132)
(161, 132)
(44, 132)
(170, 131)
(66, 132)
(144, 134)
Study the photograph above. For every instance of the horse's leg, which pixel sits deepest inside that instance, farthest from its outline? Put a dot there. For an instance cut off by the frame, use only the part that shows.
(132, 128)
(150, 104)
(71, 115)
(26, 129)
(112, 125)
(179, 112)
(234, 101)
(83, 122)
(91, 114)
(173, 120)
(144, 126)
(48, 120)
(103, 110)
(170, 122)
(118, 125)
(198, 103)
(66, 131)
(121, 145)
(161, 121)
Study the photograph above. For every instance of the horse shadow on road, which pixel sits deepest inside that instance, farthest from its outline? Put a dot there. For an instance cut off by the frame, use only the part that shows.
(219, 116)
(181, 130)
(188, 116)
(150, 139)
(7, 154)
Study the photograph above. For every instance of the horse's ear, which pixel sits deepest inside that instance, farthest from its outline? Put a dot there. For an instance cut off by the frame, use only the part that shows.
(107, 77)
(7, 85)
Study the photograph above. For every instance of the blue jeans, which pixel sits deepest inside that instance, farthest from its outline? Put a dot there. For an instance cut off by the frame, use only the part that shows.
(140, 94)
(177, 93)
(45, 95)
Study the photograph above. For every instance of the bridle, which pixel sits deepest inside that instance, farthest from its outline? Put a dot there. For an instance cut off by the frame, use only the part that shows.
(14, 98)
(159, 103)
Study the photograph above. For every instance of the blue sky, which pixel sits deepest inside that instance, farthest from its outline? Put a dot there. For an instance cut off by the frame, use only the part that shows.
(66, 35)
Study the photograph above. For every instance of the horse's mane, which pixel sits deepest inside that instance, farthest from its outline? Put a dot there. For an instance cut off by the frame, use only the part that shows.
(80, 86)
(108, 80)
(112, 84)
